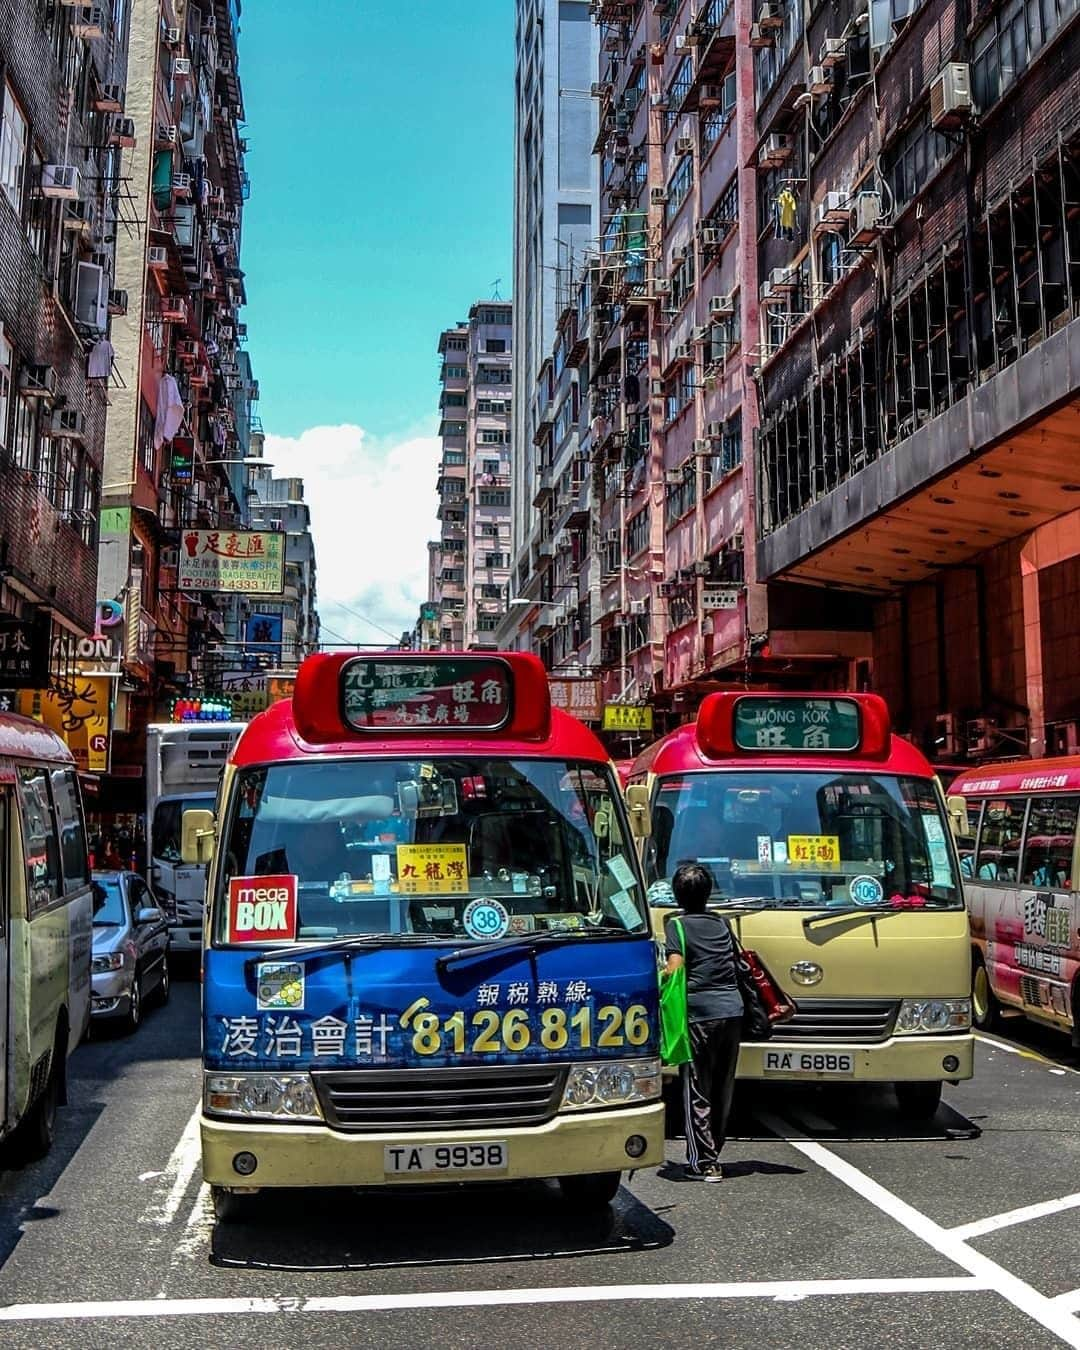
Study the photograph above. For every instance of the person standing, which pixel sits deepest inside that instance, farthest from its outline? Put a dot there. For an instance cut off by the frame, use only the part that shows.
(715, 1013)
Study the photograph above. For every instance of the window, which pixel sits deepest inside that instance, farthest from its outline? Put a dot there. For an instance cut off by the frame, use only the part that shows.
(454, 429)
(676, 92)
(681, 497)
(637, 533)
(999, 841)
(487, 623)
(454, 372)
(453, 400)
(24, 443)
(725, 334)
(833, 247)
(915, 159)
(496, 316)
(12, 150)
(1010, 41)
(491, 466)
(715, 121)
(494, 345)
(7, 366)
(679, 187)
(72, 832)
(494, 437)
(453, 457)
(38, 214)
(494, 497)
(1048, 844)
(64, 498)
(43, 878)
(146, 436)
(682, 279)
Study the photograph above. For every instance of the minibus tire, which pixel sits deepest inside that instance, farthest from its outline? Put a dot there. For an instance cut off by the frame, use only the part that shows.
(990, 1016)
(918, 1101)
(228, 1206)
(34, 1137)
(594, 1190)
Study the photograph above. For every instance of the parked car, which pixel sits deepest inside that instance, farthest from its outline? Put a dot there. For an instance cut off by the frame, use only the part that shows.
(131, 948)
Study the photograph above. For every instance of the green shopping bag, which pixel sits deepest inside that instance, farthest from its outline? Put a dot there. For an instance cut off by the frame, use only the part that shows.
(674, 1019)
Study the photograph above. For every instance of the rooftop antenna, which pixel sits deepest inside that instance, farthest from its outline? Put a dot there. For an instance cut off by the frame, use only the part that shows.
(495, 288)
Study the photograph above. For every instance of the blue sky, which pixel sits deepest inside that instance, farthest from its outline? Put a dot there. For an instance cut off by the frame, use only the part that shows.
(381, 157)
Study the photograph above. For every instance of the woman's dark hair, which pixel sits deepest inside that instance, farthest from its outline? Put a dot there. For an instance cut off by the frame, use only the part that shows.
(692, 886)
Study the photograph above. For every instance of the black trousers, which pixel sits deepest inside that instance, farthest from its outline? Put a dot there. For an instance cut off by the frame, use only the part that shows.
(708, 1084)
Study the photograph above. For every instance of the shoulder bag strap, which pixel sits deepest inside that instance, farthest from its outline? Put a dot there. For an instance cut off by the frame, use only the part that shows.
(676, 923)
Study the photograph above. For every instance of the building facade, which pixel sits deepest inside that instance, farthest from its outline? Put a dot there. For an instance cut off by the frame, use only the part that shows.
(63, 142)
(289, 626)
(555, 204)
(469, 564)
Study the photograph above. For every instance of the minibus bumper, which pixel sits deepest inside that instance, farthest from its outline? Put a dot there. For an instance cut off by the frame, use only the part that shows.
(900, 1059)
(314, 1155)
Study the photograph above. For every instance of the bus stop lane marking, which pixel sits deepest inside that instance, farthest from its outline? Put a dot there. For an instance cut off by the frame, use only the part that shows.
(967, 1231)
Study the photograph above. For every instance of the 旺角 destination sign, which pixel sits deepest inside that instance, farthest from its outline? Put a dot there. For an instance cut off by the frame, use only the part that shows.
(439, 696)
(776, 722)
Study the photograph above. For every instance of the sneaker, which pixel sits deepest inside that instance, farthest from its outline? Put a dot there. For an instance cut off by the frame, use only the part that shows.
(695, 1173)
(714, 1172)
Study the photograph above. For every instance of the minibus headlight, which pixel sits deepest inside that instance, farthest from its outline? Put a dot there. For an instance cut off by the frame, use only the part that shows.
(619, 1082)
(261, 1096)
(921, 1015)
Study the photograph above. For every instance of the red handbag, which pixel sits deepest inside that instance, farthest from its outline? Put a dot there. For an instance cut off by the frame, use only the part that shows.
(778, 1006)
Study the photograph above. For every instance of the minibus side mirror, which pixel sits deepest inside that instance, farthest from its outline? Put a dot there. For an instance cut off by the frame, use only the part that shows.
(958, 816)
(197, 837)
(637, 801)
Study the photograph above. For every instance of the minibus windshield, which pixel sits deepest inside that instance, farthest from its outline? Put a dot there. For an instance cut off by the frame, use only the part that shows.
(457, 848)
(806, 840)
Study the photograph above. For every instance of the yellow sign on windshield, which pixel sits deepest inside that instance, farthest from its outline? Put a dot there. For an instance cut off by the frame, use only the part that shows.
(810, 849)
(432, 869)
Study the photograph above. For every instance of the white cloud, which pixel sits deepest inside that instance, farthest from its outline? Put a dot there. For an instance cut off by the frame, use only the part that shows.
(373, 507)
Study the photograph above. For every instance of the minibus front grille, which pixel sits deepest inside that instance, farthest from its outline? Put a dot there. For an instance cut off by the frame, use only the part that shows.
(840, 1019)
(429, 1099)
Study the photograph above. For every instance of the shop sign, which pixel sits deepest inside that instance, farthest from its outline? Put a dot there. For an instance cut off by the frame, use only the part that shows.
(628, 717)
(245, 562)
(79, 713)
(719, 597)
(24, 651)
(580, 698)
(279, 687)
(263, 634)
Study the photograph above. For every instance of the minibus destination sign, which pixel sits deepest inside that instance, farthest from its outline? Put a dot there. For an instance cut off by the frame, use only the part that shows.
(796, 724)
(466, 695)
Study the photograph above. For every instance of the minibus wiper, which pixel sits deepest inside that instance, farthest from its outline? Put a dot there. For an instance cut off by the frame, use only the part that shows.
(361, 941)
(532, 940)
(846, 911)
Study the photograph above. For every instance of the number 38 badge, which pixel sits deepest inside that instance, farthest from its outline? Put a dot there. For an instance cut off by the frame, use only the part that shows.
(485, 918)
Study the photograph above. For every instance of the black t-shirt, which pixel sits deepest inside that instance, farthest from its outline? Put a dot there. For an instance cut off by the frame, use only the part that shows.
(711, 988)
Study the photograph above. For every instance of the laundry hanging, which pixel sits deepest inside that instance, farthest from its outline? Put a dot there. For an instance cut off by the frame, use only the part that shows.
(99, 362)
(170, 411)
(785, 209)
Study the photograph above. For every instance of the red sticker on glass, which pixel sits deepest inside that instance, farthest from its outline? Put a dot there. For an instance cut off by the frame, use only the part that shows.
(262, 909)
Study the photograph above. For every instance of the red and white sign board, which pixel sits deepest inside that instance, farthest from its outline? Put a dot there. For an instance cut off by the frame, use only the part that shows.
(262, 909)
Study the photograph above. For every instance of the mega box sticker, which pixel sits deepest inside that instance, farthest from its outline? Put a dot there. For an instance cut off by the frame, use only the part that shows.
(280, 984)
(262, 909)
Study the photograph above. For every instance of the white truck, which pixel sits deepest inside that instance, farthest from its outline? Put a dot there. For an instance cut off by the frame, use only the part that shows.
(184, 763)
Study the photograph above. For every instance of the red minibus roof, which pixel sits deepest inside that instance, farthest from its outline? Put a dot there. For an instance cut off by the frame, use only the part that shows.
(313, 722)
(23, 738)
(1024, 775)
(710, 742)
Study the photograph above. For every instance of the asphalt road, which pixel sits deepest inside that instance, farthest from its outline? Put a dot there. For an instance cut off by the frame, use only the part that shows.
(838, 1226)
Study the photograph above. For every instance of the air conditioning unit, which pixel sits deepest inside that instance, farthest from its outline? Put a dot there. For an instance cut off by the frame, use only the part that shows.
(599, 89)
(167, 134)
(37, 381)
(181, 68)
(68, 424)
(123, 132)
(711, 235)
(833, 51)
(157, 257)
(667, 589)
(681, 43)
(700, 335)
(775, 151)
(109, 98)
(79, 216)
(658, 196)
(118, 302)
(714, 430)
(188, 350)
(174, 309)
(656, 388)
(661, 286)
(92, 297)
(720, 306)
(782, 281)
(60, 181)
(834, 210)
(770, 17)
(673, 477)
(819, 80)
(89, 22)
(639, 606)
(866, 218)
(684, 144)
(950, 96)
(683, 352)
(181, 184)
(761, 38)
(711, 96)
(658, 101)
(611, 536)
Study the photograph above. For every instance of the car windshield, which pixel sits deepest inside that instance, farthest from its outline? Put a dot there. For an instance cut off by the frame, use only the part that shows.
(806, 840)
(111, 914)
(166, 828)
(407, 846)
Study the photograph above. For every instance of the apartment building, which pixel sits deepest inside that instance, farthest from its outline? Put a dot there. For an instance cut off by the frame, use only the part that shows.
(181, 415)
(63, 139)
(918, 393)
(291, 623)
(469, 565)
(555, 207)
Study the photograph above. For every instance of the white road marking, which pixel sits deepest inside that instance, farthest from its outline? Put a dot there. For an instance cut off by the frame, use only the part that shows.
(777, 1290)
(1070, 1301)
(966, 1231)
(990, 1275)
(178, 1171)
(148, 1176)
(198, 1229)
(1024, 1053)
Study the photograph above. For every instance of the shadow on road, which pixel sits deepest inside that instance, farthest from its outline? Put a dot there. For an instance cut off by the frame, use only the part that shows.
(362, 1230)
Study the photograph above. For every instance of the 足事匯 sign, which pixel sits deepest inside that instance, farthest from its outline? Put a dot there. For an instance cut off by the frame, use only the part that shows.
(248, 562)
(392, 695)
(581, 698)
(628, 717)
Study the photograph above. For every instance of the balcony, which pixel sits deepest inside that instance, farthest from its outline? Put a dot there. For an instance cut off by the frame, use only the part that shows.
(544, 485)
(712, 33)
